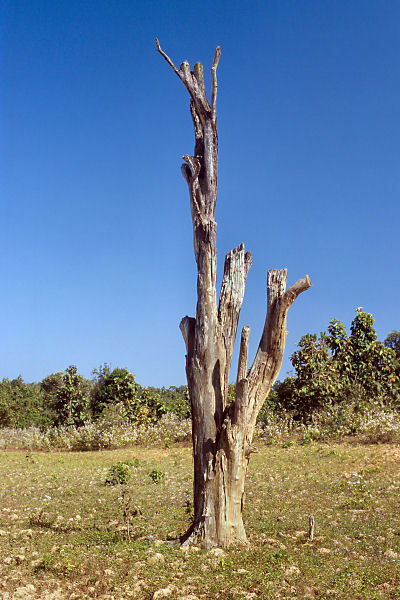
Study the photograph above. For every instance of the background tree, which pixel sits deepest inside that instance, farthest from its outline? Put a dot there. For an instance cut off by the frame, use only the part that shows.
(23, 405)
(118, 389)
(97, 399)
(336, 367)
(393, 341)
(317, 376)
(222, 430)
(72, 402)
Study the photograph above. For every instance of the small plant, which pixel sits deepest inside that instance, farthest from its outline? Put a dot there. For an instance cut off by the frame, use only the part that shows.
(306, 439)
(288, 444)
(335, 452)
(189, 510)
(129, 511)
(44, 564)
(40, 517)
(120, 473)
(156, 475)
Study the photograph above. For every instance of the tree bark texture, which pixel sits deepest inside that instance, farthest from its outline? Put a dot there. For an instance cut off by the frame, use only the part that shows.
(222, 433)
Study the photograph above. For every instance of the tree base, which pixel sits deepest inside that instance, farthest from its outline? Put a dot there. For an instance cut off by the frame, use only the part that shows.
(199, 534)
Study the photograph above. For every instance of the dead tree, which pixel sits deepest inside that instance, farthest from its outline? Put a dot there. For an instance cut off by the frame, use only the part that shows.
(222, 433)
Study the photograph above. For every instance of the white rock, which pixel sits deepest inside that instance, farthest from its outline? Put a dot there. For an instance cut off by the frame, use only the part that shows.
(24, 592)
(155, 559)
(217, 552)
(167, 592)
(292, 571)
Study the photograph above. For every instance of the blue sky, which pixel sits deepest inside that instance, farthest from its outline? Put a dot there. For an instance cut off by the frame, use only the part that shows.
(96, 249)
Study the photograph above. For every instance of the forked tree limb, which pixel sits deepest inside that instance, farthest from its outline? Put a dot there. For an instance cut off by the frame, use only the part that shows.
(194, 83)
(236, 268)
(269, 356)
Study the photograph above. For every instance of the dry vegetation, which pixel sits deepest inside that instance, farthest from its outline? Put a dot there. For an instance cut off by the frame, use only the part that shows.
(63, 533)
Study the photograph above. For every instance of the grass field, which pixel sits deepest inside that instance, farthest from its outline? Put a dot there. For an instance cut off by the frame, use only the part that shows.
(63, 533)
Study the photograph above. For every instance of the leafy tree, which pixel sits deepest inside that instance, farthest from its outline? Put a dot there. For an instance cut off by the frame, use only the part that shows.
(374, 365)
(336, 366)
(393, 341)
(317, 377)
(23, 405)
(151, 405)
(119, 388)
(281, 398)
(97, 400)
(173, 400)
(71, 402)
(363, 335)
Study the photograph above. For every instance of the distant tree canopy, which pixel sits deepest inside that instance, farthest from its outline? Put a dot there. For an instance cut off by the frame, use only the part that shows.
(68, 399)
(393, 341)
(335, 366)
(23, 404)
(119, 388)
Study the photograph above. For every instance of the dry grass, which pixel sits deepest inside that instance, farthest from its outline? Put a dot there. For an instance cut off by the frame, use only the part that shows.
(63, 533)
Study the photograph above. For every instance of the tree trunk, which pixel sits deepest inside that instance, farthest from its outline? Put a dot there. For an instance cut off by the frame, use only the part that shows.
(222, 434)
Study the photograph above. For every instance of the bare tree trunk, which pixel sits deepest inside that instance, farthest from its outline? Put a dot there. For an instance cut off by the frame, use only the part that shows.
(222, 433)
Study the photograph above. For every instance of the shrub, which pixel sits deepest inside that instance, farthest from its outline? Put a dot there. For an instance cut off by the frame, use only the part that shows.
(120, 472)
(98, 435)
(156, 476)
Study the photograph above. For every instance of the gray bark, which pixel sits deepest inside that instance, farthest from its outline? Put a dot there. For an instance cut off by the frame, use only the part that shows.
(222, 434)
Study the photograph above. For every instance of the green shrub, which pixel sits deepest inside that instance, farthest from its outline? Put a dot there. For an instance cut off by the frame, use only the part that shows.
(156, 475)
(120, 473)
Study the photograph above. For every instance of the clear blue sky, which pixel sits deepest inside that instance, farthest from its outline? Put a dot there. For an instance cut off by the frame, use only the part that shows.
(96, 249)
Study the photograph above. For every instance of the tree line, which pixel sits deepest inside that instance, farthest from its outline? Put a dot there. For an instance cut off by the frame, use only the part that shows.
(334, 367)
(69, 399)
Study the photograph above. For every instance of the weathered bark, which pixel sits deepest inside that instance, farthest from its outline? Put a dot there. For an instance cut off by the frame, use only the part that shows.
(222, 434)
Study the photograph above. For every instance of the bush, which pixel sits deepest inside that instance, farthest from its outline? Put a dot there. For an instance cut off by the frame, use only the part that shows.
(120, 472)
(156, 475)
(98, 435)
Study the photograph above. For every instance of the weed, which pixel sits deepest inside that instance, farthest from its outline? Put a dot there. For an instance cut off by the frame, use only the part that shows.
(129, 511)
(156, 476)
(39, 517)
(289, 444)
(120, 472)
